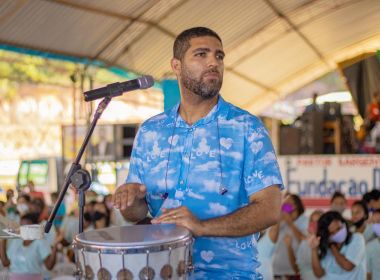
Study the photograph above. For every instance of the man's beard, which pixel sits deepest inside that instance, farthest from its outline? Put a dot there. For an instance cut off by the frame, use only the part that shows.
(206, 90)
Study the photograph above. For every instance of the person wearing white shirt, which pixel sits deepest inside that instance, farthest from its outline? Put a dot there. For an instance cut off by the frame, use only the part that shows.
(265, 248)
(303, 255)
(26, 258)
(293, 223)
(373, 249)
(336, 252)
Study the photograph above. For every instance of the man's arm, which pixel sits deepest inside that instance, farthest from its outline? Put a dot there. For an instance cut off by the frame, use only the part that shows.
(262, 212)
(130, 199)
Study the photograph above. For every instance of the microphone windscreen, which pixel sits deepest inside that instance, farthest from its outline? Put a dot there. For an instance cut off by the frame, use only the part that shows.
(146, 81)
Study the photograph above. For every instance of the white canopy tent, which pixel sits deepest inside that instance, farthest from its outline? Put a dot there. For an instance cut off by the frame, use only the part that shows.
(273, 47)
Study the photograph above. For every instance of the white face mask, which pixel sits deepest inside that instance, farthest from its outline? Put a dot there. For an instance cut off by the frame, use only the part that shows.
(340, 236)
(22, 208)
(376, 229)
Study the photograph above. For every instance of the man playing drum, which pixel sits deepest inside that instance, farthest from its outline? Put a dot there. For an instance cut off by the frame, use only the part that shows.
(205, 165)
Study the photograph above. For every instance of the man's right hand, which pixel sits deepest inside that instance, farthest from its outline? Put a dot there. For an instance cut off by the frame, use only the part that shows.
(126, 195)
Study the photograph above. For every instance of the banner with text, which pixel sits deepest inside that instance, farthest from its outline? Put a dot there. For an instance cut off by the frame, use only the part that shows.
(316, 177)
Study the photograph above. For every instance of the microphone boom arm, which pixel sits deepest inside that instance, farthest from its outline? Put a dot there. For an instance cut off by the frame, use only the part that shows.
(75, 167)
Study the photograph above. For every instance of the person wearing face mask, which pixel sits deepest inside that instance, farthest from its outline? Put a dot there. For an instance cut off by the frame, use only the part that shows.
(265, 247)
(22, 207)
(27, 259)
(338, 202)
(294, 224)
(360, 216)
(303, 256)
(336, 252)
(60, 212)
(372, 199)
(101, 215)
(373, 249)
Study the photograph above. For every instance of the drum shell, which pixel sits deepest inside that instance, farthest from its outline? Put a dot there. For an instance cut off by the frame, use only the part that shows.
(135, 256)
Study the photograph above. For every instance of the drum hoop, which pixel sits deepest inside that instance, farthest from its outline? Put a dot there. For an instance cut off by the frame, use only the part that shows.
(133, 249)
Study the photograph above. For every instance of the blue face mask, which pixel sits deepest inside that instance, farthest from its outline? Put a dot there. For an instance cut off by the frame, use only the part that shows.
(340, 236)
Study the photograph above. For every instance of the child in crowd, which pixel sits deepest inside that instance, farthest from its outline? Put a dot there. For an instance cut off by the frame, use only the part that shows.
(303, 256)
(293, 223)
(265, 248)
(26, 258)
(101, 215)
(372, 199)
(359, 220)
(338, 202)
(301, 261)
(60, 212)
(373, 249)
(336, 252)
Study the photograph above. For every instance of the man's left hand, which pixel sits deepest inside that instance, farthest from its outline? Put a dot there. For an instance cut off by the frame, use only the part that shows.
(180, 216)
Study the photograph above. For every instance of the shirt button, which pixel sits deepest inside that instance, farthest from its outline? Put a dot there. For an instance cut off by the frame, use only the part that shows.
(191, 129)
(181, 182)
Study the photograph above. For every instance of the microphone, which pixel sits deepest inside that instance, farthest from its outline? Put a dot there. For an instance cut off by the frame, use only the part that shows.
(117, 89)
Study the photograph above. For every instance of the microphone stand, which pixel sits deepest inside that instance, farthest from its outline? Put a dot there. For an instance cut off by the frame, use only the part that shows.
(78, 177)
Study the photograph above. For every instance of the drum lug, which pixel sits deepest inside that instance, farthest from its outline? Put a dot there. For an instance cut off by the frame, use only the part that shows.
(78, 273)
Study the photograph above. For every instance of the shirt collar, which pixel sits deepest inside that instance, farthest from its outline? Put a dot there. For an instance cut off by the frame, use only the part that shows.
(219, 110)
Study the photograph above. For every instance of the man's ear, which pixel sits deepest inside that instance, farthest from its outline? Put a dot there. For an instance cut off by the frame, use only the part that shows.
(176, 66)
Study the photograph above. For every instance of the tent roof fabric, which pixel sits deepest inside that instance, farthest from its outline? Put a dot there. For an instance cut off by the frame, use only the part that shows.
(273, 47)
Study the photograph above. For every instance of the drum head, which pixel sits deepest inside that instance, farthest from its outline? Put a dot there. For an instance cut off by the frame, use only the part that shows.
(133, 236)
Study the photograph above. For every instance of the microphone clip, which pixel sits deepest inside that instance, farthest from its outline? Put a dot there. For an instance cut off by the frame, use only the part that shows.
(222, 190)
(164, 195)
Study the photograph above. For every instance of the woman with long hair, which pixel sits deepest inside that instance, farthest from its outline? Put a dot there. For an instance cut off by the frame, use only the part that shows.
(336, 252)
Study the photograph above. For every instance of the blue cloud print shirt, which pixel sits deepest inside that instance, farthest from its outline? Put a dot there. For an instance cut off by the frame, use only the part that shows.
(212, 167)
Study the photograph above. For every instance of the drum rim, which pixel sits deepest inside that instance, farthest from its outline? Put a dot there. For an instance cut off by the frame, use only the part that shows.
(133, 249)
(183, 235)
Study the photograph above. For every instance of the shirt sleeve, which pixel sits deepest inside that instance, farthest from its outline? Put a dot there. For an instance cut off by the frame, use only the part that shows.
(135, 173)
(261, 169)
(356, 249)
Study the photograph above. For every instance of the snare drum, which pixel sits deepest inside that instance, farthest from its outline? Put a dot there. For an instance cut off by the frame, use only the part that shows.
(134, 252)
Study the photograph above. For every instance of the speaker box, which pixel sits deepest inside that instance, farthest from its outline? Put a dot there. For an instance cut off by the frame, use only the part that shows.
(312, 133)
(289, 140)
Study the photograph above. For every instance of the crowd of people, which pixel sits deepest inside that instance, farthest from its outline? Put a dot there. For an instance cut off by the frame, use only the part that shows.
(229, 190)
(340, 243)
(343, 241)
(52, 256)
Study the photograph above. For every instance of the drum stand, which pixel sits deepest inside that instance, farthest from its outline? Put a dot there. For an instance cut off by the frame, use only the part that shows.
(77, 176)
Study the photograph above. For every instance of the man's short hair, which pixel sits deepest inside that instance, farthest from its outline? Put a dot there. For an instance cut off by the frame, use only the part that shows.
(182, 42)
